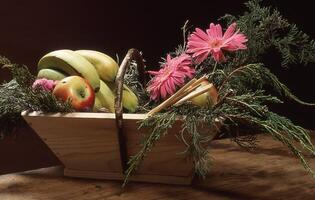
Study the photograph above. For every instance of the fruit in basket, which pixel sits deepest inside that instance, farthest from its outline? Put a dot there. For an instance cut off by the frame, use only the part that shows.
(71, 63)
(129, 99)
(105, 66)
(97, 104)
(209, 98)
(77, 90)
(50, 74)
(106, 97)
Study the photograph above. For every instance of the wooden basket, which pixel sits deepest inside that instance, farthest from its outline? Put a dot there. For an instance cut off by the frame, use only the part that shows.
(98, 145)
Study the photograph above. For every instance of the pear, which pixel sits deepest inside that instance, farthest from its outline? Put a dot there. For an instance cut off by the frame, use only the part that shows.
(209, 98)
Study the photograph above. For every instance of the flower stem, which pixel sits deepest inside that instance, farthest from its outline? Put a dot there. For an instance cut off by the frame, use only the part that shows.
(184, 28)
(214, 68)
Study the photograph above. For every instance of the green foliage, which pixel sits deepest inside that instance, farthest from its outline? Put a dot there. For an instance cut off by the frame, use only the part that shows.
(250, 109)
(242, 108)
(132, 80)
(159, 124)
(18, 95)
(266, 28)
(256, 77)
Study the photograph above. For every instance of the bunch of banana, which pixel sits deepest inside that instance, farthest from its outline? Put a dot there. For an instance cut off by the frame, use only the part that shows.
(96, 67)
(70, 63)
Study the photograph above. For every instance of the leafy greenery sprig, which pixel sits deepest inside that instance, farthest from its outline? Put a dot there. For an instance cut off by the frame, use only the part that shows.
(18, 95)
(159, 124)
(268, 29)
(242, 108)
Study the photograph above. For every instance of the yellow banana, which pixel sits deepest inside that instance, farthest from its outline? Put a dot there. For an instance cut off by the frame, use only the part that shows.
(97, 104)
(71, 63)
(50, 74)
(106, 97)
(129, 99)
(105, 66)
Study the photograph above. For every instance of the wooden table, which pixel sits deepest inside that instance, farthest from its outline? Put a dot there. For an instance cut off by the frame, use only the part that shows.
(270, 172)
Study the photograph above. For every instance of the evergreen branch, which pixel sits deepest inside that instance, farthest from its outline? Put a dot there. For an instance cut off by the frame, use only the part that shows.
(284, 131)
(277, 126)
(257, 75)
(228, 77)
(197, 147)
(18, 95)
(159, 123)
(295, 47)
(265, 29)
(248, 106)
(131, 79)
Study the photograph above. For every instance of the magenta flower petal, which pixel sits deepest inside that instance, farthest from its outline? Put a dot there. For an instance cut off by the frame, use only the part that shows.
(171, 75)
(201, 44)
(163, 91)
(229, 31)
(202, 35)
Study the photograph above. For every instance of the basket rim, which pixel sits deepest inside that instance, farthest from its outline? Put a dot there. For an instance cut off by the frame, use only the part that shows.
(87, 115)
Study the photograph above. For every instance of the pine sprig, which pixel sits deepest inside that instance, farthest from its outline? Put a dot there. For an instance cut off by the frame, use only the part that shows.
(283, 130)
(197, 148)
(295, 47)
(159, 124)
(132, 80)
(266, 28)
(255, 77)
(243, 101)
(18, 95)
(253, 113)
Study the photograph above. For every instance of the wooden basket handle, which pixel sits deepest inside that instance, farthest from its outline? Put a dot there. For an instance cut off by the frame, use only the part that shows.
(132, 55)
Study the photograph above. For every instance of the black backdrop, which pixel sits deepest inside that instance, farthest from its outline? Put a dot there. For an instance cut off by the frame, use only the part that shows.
(29, 29)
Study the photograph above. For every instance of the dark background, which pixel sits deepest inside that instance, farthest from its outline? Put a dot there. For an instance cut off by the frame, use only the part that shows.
(29, 29)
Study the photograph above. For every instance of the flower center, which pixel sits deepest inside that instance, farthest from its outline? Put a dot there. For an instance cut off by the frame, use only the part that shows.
(166, 73)
(216, 43)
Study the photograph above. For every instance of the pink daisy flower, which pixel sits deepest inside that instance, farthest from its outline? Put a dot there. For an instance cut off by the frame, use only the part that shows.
(201, 44)
(171, 75)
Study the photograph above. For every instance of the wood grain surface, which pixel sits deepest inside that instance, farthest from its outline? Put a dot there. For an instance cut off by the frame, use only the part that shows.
(87, 145)
(269, 172)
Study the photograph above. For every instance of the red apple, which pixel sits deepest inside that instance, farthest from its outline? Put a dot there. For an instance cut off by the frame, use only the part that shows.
(77, 90)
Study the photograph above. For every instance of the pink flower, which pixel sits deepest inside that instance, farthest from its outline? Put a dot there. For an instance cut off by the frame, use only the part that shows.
(45, 84)
(172, 74)
(201, 44)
